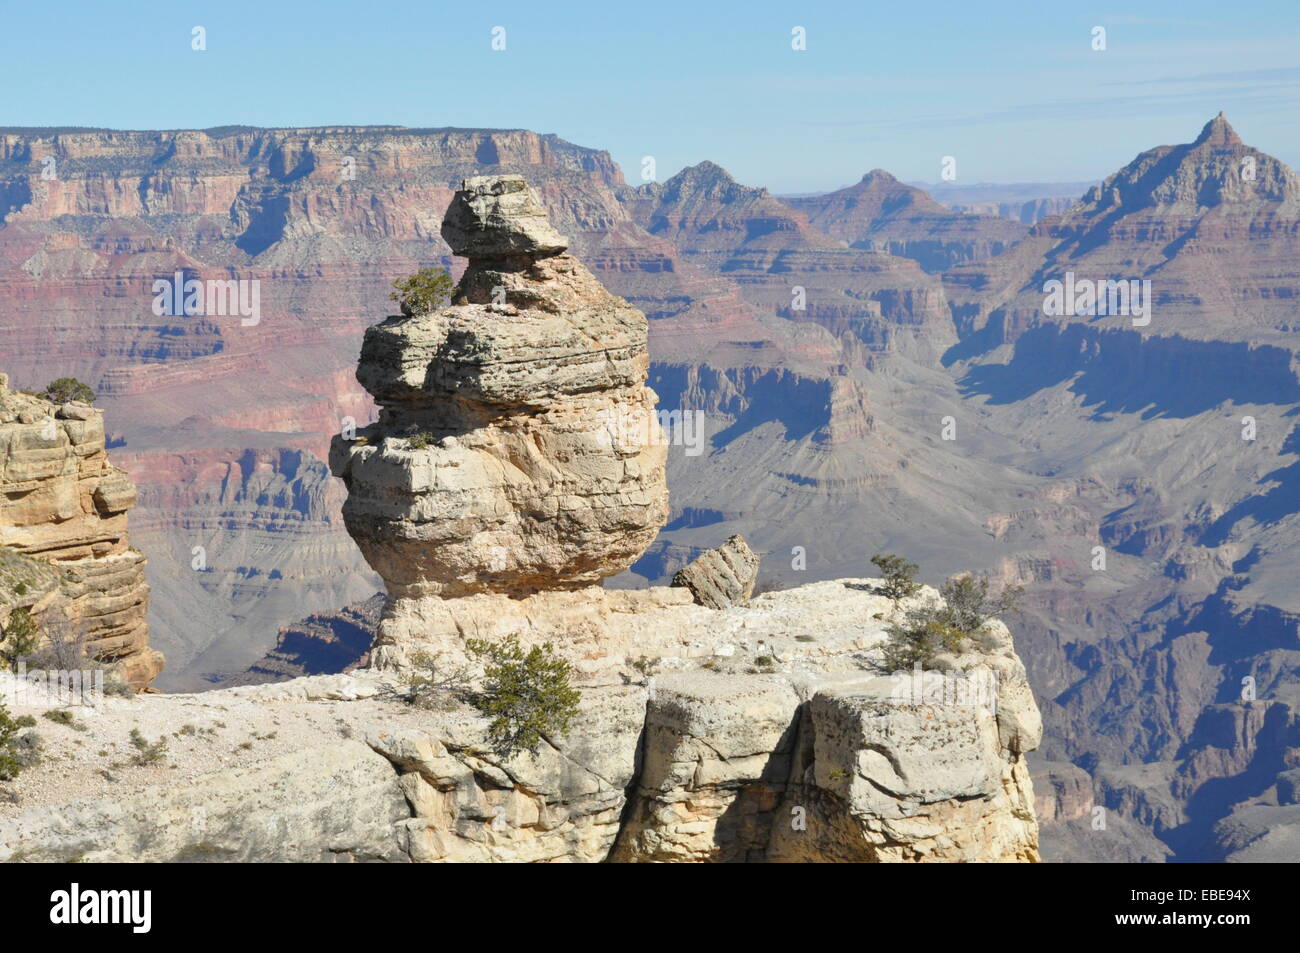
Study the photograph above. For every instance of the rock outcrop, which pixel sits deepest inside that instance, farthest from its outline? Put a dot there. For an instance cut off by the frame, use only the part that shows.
(516, 462)
(63, 530)
(758, 733)
(721, 577)
(517, 454)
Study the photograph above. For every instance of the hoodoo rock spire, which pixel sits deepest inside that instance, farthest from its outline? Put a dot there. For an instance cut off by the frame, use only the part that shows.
(517, 449)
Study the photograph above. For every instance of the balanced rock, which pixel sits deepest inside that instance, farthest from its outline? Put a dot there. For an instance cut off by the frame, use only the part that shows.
(721, 577)
(494, 216)
(517, 449)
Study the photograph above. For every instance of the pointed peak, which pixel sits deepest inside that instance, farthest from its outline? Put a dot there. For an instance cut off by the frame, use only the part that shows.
(1217, 132)
(708, 170)
(879, 175)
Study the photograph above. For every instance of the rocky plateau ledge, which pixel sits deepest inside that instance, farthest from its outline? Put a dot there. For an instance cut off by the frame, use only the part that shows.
(752, 733)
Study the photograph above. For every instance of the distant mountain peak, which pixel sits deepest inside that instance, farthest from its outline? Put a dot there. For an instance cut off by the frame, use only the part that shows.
(704, 173)
(1216, 169)
(708, 180)
(709, 167)
(1218, 132)
(879, 176)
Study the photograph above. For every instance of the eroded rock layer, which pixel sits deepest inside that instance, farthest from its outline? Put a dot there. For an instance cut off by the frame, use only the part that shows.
(63, 506)
(756, 733)
(517, 449)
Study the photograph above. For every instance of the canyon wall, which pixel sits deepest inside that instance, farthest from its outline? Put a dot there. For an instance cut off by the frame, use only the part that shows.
(828, 379)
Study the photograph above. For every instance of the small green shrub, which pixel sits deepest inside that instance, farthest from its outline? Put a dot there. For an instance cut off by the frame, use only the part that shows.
(421, 440)
(969, 605)
(60, 716)
(20, 637)
(433, 683)
(10, 765)
(945, 626)
(68, 388)
(919, 638)
(422, 292)
(528, 695)
(113, 685)
(899, 576)
(146, 752)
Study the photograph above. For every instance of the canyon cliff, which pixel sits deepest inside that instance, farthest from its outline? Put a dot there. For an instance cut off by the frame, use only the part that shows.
(828, 381)
(516, 464)
(67, 556)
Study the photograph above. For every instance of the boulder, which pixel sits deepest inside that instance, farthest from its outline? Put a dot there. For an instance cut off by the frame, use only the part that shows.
(721, 577)
(498, 215)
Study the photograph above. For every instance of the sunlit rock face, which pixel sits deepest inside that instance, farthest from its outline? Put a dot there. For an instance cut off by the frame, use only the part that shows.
(516, 449)
(63, 507)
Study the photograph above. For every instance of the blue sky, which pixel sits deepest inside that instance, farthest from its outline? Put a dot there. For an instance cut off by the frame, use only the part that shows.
(1012, 90)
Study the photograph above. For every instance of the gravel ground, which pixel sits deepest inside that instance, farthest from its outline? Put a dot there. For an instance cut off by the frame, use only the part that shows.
(95, 755)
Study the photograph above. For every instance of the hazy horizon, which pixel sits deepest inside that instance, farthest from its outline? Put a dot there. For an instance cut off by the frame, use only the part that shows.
(876, 88)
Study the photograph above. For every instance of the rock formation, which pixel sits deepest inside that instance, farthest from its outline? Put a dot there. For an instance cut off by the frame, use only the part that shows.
(517, 454)
(516, 463)
(721, 577)
(64, 506)
(757, 733)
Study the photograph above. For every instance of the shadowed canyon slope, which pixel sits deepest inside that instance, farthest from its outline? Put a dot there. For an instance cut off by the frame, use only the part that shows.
(65, 554)
(826, 339)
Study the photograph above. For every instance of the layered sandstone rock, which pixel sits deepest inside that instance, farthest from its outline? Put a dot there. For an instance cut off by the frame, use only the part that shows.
(517, 450)
(517, 462)
(63, 506)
